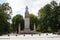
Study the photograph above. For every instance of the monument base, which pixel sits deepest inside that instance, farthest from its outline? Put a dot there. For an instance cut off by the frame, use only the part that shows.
(30, 32)
(27, 31)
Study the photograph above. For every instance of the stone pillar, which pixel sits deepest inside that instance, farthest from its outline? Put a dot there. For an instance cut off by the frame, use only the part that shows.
(19, 28)
(34, 27)
(27, 21)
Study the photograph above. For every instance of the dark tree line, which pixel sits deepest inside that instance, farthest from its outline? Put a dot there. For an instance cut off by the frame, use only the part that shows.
(18, 19)
(50, 17)
(4, 18)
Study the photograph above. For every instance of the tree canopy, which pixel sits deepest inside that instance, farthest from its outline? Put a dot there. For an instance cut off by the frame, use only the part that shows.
(49, 17)
(18, 19)
(5, 11)
(33, 20)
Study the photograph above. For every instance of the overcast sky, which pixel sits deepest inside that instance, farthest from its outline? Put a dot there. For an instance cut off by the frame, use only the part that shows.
(18, 6)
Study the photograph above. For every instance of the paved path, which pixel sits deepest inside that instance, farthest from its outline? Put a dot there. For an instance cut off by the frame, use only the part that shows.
(31, 37)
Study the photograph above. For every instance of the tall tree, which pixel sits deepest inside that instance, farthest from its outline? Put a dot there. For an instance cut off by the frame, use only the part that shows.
(18, 19)
(5, 11)
(49, 16)
(44, 16)
(33, 20)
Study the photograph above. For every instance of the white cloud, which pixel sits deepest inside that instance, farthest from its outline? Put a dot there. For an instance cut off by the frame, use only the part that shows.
(18, 6)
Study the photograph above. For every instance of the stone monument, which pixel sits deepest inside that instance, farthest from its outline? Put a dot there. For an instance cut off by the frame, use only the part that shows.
(27, 23)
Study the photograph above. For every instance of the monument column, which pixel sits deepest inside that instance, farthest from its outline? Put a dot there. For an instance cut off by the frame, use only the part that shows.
(19, 29)
(27, 21)
(34, 28)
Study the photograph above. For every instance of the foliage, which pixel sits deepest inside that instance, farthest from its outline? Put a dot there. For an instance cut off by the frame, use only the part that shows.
(33, 20)
(18, 19)
(49, 16)
(5, 11)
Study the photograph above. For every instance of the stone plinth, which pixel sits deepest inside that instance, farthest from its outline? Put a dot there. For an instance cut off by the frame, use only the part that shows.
(27, 32)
